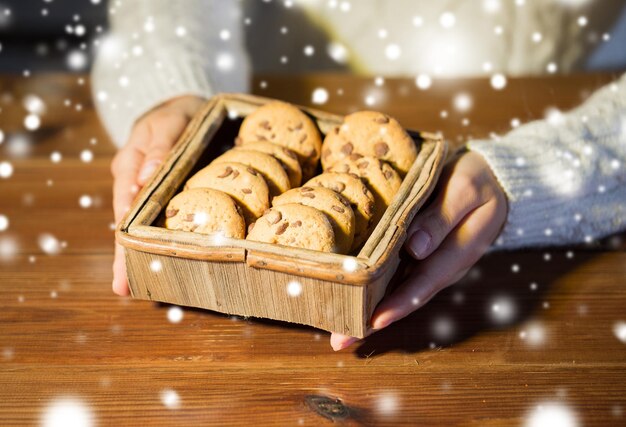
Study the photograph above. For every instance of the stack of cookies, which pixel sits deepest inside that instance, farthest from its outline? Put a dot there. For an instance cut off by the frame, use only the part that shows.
(255, 191)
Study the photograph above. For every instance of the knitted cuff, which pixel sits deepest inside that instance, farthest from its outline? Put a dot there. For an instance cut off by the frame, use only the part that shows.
(536, 215)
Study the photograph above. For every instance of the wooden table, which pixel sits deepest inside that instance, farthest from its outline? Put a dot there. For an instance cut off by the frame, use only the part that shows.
(69, 344)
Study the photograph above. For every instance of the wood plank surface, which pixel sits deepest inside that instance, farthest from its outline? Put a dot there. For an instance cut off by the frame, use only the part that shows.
(68, 343)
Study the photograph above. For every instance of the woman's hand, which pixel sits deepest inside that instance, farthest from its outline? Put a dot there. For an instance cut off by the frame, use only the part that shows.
(446, 238)
(151, 138)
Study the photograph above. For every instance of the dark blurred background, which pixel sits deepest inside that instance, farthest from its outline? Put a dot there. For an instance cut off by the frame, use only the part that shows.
(60, 35)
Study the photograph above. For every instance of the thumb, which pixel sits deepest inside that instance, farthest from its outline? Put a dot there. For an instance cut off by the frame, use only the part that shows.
(162, 132)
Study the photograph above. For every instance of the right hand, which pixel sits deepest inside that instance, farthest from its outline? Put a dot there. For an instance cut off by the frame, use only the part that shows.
(151, 138)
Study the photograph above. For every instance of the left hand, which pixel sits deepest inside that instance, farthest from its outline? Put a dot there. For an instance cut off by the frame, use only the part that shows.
(447, 238)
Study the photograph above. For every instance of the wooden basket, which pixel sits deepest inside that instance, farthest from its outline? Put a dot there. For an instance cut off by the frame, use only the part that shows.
(332, 292)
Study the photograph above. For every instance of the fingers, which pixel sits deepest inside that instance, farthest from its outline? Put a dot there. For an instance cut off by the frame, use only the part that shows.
(457, 198)
(162, 132)
(125, 169)
(120, 282)
(458, 252)
(340, 341)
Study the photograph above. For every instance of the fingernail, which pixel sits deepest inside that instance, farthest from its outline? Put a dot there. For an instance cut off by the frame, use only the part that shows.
(381, 323)
(345, 344)
(147, 170)
(419, 242)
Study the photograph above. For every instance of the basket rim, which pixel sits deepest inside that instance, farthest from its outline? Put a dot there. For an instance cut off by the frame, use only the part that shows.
(348, 269)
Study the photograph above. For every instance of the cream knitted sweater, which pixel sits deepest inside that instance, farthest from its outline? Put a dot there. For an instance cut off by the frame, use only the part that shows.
(564, 177)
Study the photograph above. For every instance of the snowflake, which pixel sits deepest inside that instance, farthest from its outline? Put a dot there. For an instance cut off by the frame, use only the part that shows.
(387, 403)
(67, 412)
(619, 329)
(491, 6)
(338, 52)
(498, 81)
(294, 288)
(534, 334)
(443, 328)
(423, 81)
(319, 96)
(34, 104)
(76, 60)
(224, 61)
(550, 414)
(503, 310)
(175, 314)
(447, 20)
(86, 156)
(225, 35)
(49, 244)
(393, 52)
(156, 266)
(85, 201)
(170, 399)
(124, 81)
(350, 265)
(181, 31)
(418, 21)
(4, 222)
(537, 37)
(309, 50)
(462, 102)
(6, 169)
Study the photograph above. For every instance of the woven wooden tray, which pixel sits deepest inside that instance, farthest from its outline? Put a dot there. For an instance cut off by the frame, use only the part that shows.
(336, 292)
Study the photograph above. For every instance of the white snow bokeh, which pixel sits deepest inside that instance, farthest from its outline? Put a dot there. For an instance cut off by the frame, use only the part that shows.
(423, 81)
(170, 399)
(447, 20)
(319, 96)
(85, 201)
(551, 414)
(619, 329)
(350, 265)
(86, 156)
(294, 288)
(338, 52)
(443, 328)
(498, 81)
(4, 222)
(462, 102)
(156, 266)
(67, 412)
(387, 403)
(34, 104)
(534, 334)
(502, 310)
(175, 314)
(49, 244)
(6, 169)
(77, 60)
(8, 248)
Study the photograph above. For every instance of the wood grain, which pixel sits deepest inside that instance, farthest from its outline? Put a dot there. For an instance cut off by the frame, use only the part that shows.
(117, 355)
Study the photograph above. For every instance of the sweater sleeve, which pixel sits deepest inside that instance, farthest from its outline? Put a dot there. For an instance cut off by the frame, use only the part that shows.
(158, 49)
(565, 177)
